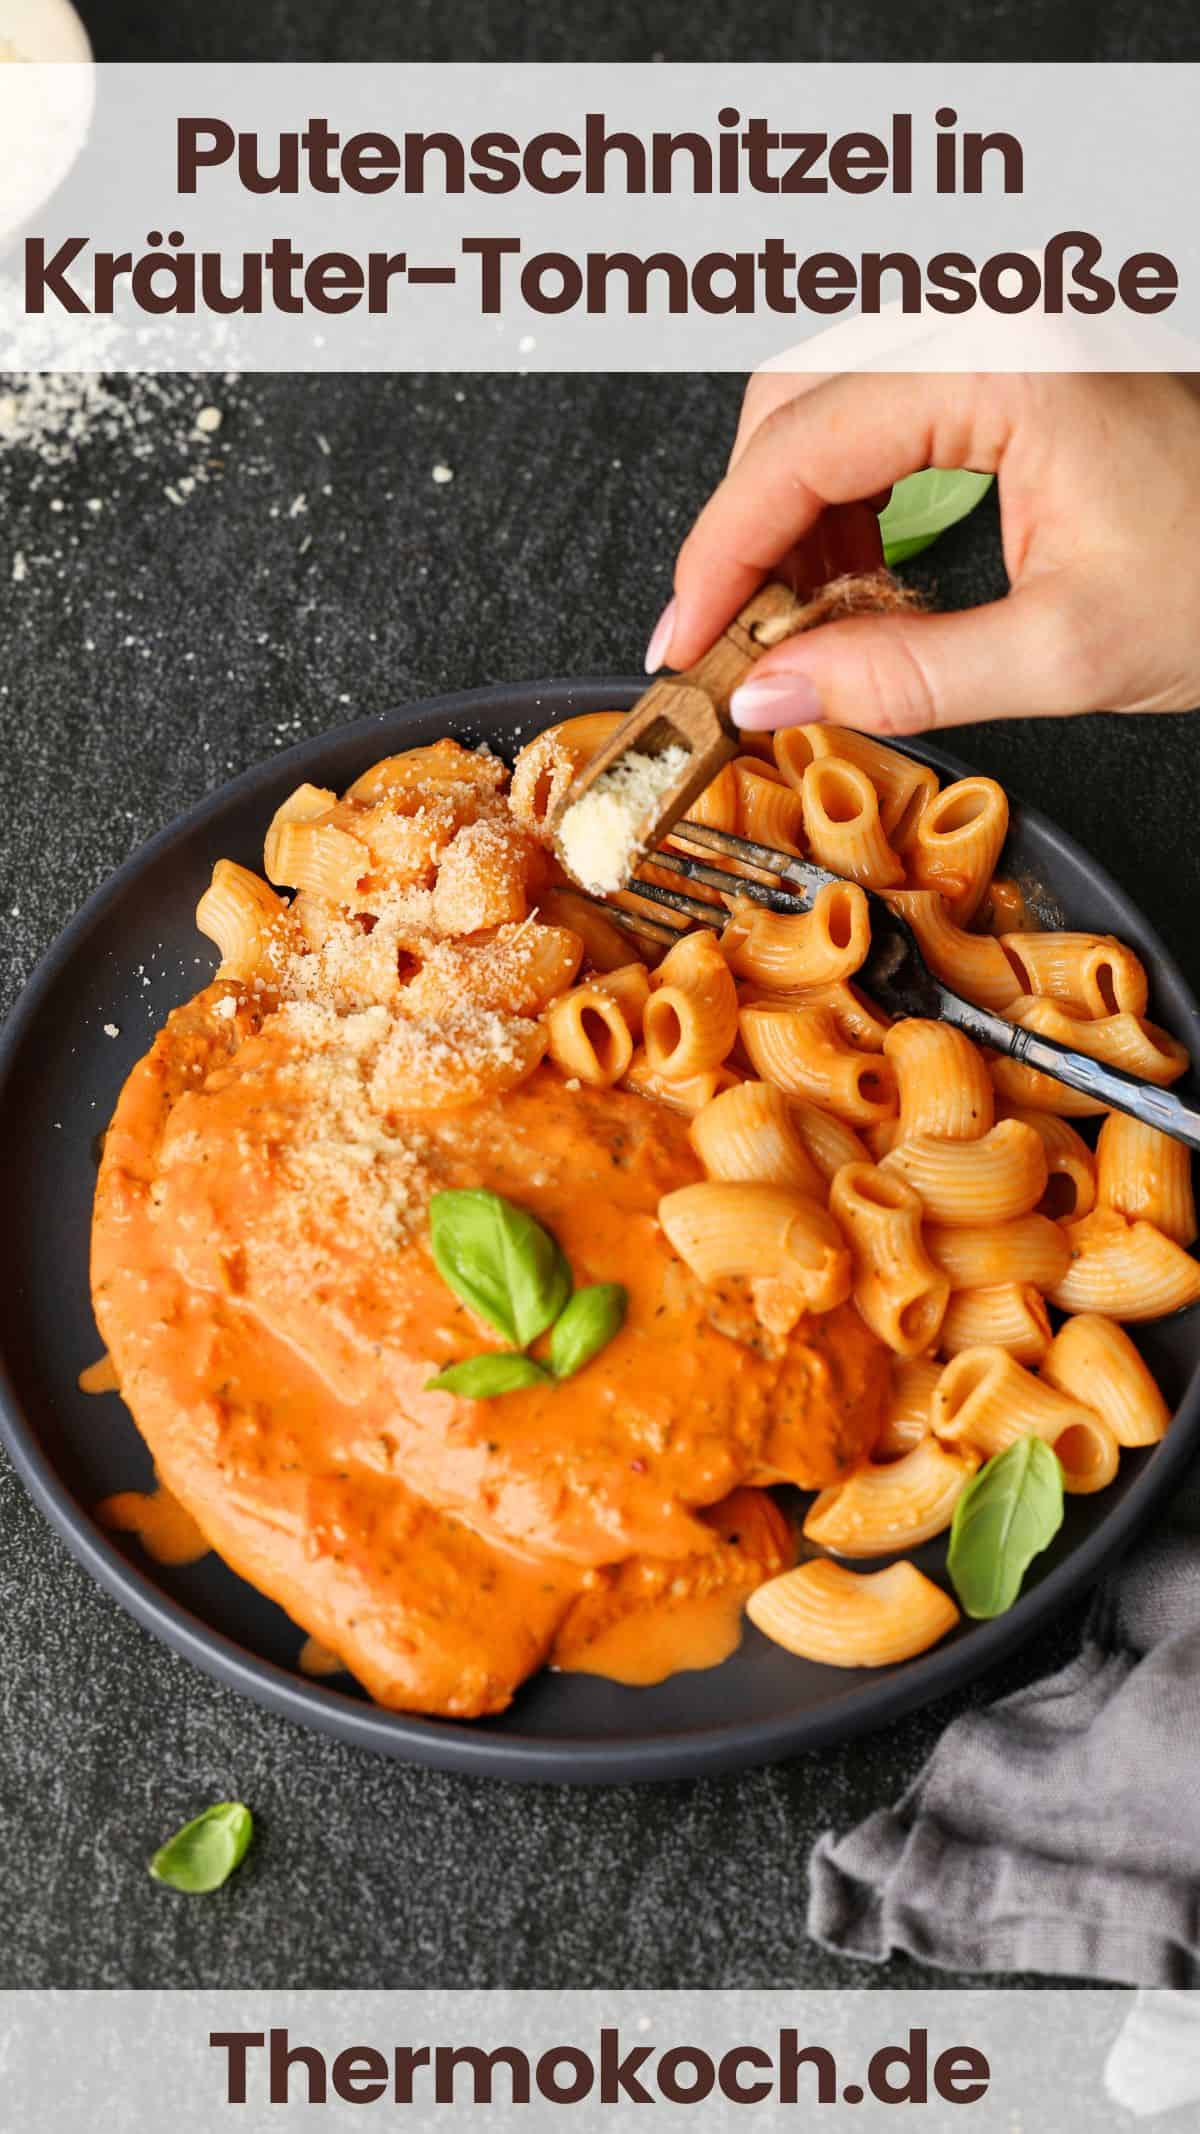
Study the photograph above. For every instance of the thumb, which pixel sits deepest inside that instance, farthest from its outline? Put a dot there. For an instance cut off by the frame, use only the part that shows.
(903, 674)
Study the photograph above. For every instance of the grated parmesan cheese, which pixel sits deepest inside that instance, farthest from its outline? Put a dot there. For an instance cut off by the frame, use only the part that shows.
(601, 836)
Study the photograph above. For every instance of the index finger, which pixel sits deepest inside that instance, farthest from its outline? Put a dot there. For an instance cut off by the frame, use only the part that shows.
(851, 437)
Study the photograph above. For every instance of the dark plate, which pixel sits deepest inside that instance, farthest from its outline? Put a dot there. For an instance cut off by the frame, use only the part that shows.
(127, 958)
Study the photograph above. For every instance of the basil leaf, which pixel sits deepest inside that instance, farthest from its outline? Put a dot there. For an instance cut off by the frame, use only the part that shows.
(500, 1262)
(203, 1855)
(1007, 1514)
(586, 1326)
(484, 1377)
(924, 505)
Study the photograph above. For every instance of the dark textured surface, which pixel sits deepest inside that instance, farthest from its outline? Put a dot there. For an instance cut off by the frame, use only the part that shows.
(149, 651)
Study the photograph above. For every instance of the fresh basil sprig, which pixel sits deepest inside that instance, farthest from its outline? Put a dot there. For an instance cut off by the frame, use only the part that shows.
(587, 1325)
(485, 1377)
(923, 505)
(501, 1262)
(1007, 1514)
(203, 1855)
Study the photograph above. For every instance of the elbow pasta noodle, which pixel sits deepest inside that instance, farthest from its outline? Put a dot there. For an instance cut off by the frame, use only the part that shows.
(909, 1403)
(748, 1135)
(543, 775)
(974, 965)
(1124, 1270)
(829, 1141)
(690, 1021)
(987, 1400)
(841, 822)
(689, 1093)
(317, 857)
(1010, 1315)
(484, 877)
(1143, 1173)
(1091, 972)
(306, 804)
(588, 1036)
(718, 804)
(762, 1232)
(903, 787)
(629, 986)
(1071, 1183)
(957, 842)
(1093, 1360)
(606, 946)
(239, 913)
(767, 810)
(1000, 1176)
(821, 1611)
(897, 1505)
(1029, 1249)
(942, 1081)
(881, 1138)
(857, 1020)
(1127, 1041)
(801, 1050)
(785, 951)
(520, 970)
(899, 1293)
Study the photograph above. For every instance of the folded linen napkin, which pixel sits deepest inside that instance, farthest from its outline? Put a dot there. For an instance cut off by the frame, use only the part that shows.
(1058, 1830)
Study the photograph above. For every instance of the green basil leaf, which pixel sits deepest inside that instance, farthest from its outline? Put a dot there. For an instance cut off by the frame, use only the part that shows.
(1007, 1514)
(586, 1326)
(203, 1855)
(924, 505)
(484, 1377)
(500, 1262)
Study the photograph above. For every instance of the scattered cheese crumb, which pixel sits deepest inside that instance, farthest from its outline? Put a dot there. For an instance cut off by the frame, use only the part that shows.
(20, 569)
(299, 504)
(209, 421)
(226, 1008)
(112, 1030)
(442, 473)
(601, 835)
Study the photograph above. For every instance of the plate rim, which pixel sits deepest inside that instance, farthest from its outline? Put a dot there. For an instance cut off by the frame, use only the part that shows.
(455, 1745)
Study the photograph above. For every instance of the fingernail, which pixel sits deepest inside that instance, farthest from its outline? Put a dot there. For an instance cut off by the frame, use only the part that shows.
(664, 629)
(776, 700)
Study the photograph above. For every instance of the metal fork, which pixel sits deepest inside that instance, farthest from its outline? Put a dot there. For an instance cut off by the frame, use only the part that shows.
(895, 971)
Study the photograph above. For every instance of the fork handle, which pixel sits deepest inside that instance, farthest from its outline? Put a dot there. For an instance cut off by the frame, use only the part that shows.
(1092, 1078)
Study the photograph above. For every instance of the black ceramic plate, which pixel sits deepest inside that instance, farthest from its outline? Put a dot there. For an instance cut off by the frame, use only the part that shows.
(124, 961)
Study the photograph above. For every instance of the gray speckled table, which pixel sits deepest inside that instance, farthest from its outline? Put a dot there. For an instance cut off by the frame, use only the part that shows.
(147, 650)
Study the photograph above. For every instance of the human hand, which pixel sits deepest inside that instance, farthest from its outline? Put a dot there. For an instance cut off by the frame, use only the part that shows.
(1098, 479)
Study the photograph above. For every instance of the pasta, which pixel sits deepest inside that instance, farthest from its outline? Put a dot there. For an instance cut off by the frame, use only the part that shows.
(903, 787)
(762, 1232)
(1001, 1175)
(1126, 1270)
(802, 1051)
(1093, 1360)
(1030, 1249)
(974, 965)
(1071, 1167)
(942, 1081)
(686, 1093)
(588, 1036)
(829, 1141)
(781, 951)
(821, 1611)
(1143, 1173)
(241, 915)
(841, 822)
(891, 1506)
(906, 1416)
(1091, 972)
(897, 1290)
(691, 1019)
(749, 1136)
(1122, 1040)
(957, 842)
(986, 1399)
(1010, 1315)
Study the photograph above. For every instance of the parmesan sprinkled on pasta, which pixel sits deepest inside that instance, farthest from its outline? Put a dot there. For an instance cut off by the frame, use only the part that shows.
(601, 834)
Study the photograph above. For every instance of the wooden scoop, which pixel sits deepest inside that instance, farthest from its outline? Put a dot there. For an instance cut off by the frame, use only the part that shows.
(690, 710)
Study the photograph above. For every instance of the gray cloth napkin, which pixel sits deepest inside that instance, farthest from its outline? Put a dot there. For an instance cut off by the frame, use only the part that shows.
(1058, 1830)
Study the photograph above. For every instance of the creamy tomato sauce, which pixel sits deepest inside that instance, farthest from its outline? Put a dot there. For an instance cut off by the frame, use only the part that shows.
(263, 1278)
